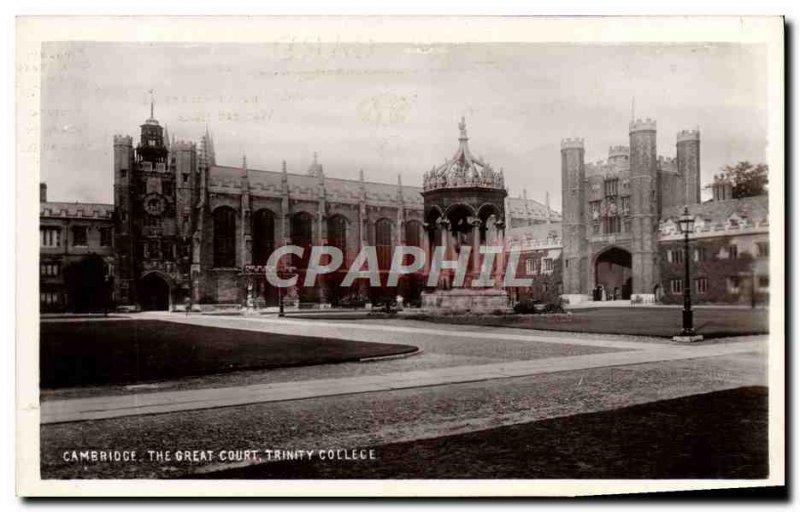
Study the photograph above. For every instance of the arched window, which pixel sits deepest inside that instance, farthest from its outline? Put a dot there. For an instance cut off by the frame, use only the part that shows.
(383, 243)
(301, 234)
(414, 233)
(224, 237)
(263, 236)
(434, 232)
(337, 233)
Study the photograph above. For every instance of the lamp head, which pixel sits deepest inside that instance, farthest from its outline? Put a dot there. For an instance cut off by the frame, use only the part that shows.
(686, 221)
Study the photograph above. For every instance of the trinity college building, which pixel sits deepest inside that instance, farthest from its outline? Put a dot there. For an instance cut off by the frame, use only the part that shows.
(620, 235)
(185, 229)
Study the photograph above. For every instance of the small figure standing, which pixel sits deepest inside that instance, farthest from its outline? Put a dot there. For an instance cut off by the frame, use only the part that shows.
(188, 303)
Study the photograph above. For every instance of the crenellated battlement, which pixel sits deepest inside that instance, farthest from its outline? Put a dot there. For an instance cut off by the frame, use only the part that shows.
(618, 201)
(123, 140)
(617, 151)
(572, 143)
(688, 135)
(183, 145)
(642, 125)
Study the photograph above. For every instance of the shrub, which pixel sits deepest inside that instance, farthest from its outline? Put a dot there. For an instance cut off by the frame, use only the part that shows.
(553, 308)
(352, 301)
(526, 307)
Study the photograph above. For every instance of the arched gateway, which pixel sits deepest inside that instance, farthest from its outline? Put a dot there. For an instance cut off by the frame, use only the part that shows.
(87, 284)
(154, 292)
(612, 275)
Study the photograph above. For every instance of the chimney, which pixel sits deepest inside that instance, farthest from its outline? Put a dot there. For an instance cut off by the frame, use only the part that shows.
(42, 192)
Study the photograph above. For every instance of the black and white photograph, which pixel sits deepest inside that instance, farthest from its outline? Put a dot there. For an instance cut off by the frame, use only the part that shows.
(314, 251)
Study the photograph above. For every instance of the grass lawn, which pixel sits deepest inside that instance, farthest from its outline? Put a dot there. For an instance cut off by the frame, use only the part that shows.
(664, 322)
(714, 435)
(128, 351)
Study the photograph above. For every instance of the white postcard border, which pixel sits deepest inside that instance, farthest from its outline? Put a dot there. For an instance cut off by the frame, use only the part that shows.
(32, 31)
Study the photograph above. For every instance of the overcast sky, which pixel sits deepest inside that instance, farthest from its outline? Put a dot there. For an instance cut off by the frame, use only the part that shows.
(394, 108)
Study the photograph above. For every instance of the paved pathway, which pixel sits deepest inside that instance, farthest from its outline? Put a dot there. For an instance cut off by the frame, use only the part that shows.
(379, 332)
(59, 411)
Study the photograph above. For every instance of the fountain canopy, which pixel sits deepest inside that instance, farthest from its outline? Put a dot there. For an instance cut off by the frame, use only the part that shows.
(464, 202)
(463, 170)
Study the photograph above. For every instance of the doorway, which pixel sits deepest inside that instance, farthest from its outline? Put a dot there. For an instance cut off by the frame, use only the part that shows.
(154, 293)
(612, 273)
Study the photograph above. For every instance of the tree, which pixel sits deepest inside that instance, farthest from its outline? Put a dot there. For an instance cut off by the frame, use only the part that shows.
(747, 179)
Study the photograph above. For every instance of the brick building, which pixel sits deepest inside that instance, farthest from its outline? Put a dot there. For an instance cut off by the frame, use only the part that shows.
(619, 236)
(729, 252)
(612, 208)
(539, 247)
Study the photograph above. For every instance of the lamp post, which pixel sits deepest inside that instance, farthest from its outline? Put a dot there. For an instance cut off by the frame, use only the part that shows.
(284, 272)
(280, 302)
(279, 271)
(686, 223)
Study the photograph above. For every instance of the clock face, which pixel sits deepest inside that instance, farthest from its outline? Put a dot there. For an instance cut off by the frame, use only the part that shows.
(154, 204)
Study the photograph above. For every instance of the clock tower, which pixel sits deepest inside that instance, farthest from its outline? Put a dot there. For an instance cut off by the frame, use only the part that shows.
(152, 147)
(153, 233)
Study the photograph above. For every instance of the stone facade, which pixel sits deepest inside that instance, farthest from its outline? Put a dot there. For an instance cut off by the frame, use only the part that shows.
(611, 209)
(729, 252)
(539, 250)
(76, 259)
(464, 206)
(187, 229)
(183, 227)
(619, 227)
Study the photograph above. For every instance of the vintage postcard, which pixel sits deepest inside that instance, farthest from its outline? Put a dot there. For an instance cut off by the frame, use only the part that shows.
(399, 256)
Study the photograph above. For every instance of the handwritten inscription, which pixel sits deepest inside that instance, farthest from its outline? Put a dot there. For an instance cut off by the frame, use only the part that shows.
(385, 109)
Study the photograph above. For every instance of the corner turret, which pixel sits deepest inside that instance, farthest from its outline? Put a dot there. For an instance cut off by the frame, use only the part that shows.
(642, 125)
(688, 160)
(573, 197)
(644, 204)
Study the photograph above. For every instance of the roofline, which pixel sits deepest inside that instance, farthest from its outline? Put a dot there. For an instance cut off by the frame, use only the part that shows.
(73, 203)
(326, 177)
